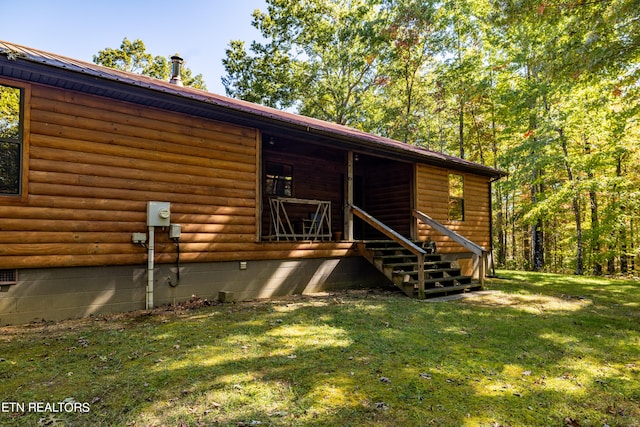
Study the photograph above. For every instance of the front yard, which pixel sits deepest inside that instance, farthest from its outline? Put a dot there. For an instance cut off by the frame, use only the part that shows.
(535, 349)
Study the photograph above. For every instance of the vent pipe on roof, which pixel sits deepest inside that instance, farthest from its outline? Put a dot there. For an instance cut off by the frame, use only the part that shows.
(176, 64)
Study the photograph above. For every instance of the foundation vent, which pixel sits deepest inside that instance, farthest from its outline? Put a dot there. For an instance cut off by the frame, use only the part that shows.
(8, 278)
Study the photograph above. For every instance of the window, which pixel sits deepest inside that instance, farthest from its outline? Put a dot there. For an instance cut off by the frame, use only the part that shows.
(11, 125)
(279, 179)
(456, 197)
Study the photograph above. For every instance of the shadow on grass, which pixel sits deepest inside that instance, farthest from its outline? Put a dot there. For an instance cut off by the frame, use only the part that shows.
(562, 352)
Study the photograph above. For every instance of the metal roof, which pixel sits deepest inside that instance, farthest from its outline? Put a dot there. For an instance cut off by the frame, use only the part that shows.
(34, 65)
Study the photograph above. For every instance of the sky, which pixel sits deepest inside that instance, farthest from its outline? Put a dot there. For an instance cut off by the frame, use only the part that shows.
(199, 30)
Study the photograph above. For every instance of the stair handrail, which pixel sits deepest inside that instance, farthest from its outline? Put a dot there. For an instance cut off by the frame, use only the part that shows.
(476, 249)
(443, 229)
(398, 238)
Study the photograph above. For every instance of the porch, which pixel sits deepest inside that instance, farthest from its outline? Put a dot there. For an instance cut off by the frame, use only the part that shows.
(322, 195)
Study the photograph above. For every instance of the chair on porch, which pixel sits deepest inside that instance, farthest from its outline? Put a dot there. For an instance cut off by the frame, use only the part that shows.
(312, 226)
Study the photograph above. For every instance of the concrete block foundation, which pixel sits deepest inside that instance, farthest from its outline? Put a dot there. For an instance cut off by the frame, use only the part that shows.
(52, 294)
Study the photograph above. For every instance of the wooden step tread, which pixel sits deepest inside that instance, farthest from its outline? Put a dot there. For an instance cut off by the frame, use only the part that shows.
(431, 271)
(441, 279)
(391, 256)
(426, 264)
(466, 286)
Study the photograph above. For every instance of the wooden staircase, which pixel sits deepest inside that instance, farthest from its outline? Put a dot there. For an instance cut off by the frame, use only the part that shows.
(401, 267)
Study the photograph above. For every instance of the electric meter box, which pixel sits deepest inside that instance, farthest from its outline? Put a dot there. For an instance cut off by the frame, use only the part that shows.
(158, 214)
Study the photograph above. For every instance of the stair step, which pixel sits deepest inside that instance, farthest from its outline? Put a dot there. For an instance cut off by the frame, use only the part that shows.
(383, 254)
(448, 289)
(447, 280)
(401, 267)
(383, 245)
(393, 256)
(443, 290)
(439, 265)
(435, 280)
(449, 271)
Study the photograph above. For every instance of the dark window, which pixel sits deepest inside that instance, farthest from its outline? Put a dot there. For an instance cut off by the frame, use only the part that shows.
(456, 197)
(279, 179)
(10, 139)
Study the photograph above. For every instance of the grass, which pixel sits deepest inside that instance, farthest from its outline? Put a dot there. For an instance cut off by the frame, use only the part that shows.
(538, 350)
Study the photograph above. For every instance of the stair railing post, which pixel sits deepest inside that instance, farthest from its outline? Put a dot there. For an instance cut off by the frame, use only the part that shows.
(483, 267)
(420, 276)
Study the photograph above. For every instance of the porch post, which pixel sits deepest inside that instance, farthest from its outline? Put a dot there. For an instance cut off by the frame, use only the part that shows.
(348, 215)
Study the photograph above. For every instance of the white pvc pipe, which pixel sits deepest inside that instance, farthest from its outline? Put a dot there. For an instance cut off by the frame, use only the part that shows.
(150, 255)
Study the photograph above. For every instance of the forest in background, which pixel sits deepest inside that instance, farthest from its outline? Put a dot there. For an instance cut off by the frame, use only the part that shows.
(547, 91)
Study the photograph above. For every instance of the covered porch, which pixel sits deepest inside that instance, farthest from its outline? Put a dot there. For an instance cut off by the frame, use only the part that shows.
(319, 194)
(307, 190)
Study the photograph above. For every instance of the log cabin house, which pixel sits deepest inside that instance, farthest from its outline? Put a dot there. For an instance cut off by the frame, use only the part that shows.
(120, 192)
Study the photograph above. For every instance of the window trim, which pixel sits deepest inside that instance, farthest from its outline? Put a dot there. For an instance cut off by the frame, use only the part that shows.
(21, 197)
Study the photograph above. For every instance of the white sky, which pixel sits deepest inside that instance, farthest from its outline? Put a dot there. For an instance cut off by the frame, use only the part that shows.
(199, 30)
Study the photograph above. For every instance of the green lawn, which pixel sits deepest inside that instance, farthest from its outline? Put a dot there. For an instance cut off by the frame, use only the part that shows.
(538, 350)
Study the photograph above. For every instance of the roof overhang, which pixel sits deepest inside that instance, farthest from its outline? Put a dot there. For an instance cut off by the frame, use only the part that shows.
(35, 66)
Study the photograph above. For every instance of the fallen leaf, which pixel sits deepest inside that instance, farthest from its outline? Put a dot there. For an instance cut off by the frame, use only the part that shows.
(381, 406)
(568, 421)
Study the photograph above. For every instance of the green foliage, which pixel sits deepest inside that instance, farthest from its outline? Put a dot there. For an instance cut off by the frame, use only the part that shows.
(546, 91)
(134, 58)
(9, 113)
(10, 139)
(320, 57)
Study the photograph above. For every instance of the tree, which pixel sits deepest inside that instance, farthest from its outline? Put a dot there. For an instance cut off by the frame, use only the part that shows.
(133, 57)
(547, 91)
(320, 57)
(411, 37)
(10, 133)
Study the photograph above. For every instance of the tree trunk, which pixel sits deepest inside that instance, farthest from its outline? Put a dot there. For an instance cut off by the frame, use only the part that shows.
(624, 266)
(537, 236)
(537, 231)
(575, 203)
(461, 128)
(595, 221)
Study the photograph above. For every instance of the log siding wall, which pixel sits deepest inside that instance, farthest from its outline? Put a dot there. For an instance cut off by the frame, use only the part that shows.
(94, 164)
(432, 193)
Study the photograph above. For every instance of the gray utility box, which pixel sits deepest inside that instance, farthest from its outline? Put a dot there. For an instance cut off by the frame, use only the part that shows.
(158, 214)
